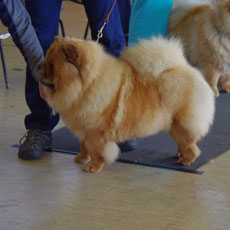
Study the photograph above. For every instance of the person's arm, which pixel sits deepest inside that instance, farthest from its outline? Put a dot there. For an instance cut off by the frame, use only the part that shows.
(16, 18)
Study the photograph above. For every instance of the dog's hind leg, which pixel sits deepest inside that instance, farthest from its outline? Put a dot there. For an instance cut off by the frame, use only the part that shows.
(224, 83)
(83, 156)
(188, 151)
(212, 76)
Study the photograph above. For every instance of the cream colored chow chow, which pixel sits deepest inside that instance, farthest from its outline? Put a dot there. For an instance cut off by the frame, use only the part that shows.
(205, 32)
(104, 100)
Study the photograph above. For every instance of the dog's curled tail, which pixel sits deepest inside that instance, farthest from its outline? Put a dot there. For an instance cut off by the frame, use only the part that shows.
(152, 57)
(110, 152)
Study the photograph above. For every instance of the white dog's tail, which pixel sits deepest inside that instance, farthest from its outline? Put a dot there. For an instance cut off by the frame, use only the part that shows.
(111, 152)
(152, 57)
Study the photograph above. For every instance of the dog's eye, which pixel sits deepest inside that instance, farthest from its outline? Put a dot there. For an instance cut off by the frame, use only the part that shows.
(47, 70)
(68, 59)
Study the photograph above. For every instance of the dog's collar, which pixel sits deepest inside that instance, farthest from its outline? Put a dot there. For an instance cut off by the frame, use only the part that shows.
(48, 84)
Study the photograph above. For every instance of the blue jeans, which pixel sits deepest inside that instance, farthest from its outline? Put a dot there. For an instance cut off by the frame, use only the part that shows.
(116, 31)
(45, 20)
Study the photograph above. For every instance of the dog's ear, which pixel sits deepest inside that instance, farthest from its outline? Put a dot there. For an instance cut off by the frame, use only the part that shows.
(57, 39)
(71, 53)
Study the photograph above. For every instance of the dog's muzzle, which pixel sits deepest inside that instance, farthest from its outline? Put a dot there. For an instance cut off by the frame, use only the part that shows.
(47, 84)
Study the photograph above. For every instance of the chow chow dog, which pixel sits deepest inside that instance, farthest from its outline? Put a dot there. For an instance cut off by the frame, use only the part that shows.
(104, 100)
(205, 32)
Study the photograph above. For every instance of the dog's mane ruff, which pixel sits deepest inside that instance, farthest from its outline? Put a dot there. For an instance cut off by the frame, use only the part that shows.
(152, 57)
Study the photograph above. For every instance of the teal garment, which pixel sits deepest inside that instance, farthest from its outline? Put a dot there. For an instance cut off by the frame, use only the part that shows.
(148, 18)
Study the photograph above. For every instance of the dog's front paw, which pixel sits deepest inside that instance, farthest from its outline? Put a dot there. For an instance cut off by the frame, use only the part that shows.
(81, 159)
(93, 167)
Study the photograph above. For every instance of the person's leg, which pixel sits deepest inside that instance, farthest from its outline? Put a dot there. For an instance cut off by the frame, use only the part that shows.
(125, 11)
(39, 123)
(113, 35)
(45, 20)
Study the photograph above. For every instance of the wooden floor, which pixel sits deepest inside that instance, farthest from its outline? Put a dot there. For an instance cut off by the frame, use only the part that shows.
(55, 194)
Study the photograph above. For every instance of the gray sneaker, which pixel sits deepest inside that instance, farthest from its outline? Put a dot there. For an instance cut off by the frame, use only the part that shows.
(33, 143)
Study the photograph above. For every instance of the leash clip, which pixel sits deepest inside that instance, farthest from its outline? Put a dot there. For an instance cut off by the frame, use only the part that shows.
(100, 32)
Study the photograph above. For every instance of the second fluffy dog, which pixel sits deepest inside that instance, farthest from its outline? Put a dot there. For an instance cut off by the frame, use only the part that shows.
(104, 100)
(205, 32)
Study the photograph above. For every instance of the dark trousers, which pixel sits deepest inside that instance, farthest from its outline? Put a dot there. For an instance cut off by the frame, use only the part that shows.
(45, 20)
(116, 31)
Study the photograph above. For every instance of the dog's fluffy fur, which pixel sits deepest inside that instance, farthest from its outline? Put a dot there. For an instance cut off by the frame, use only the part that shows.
(205, 32)
(104, 100)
